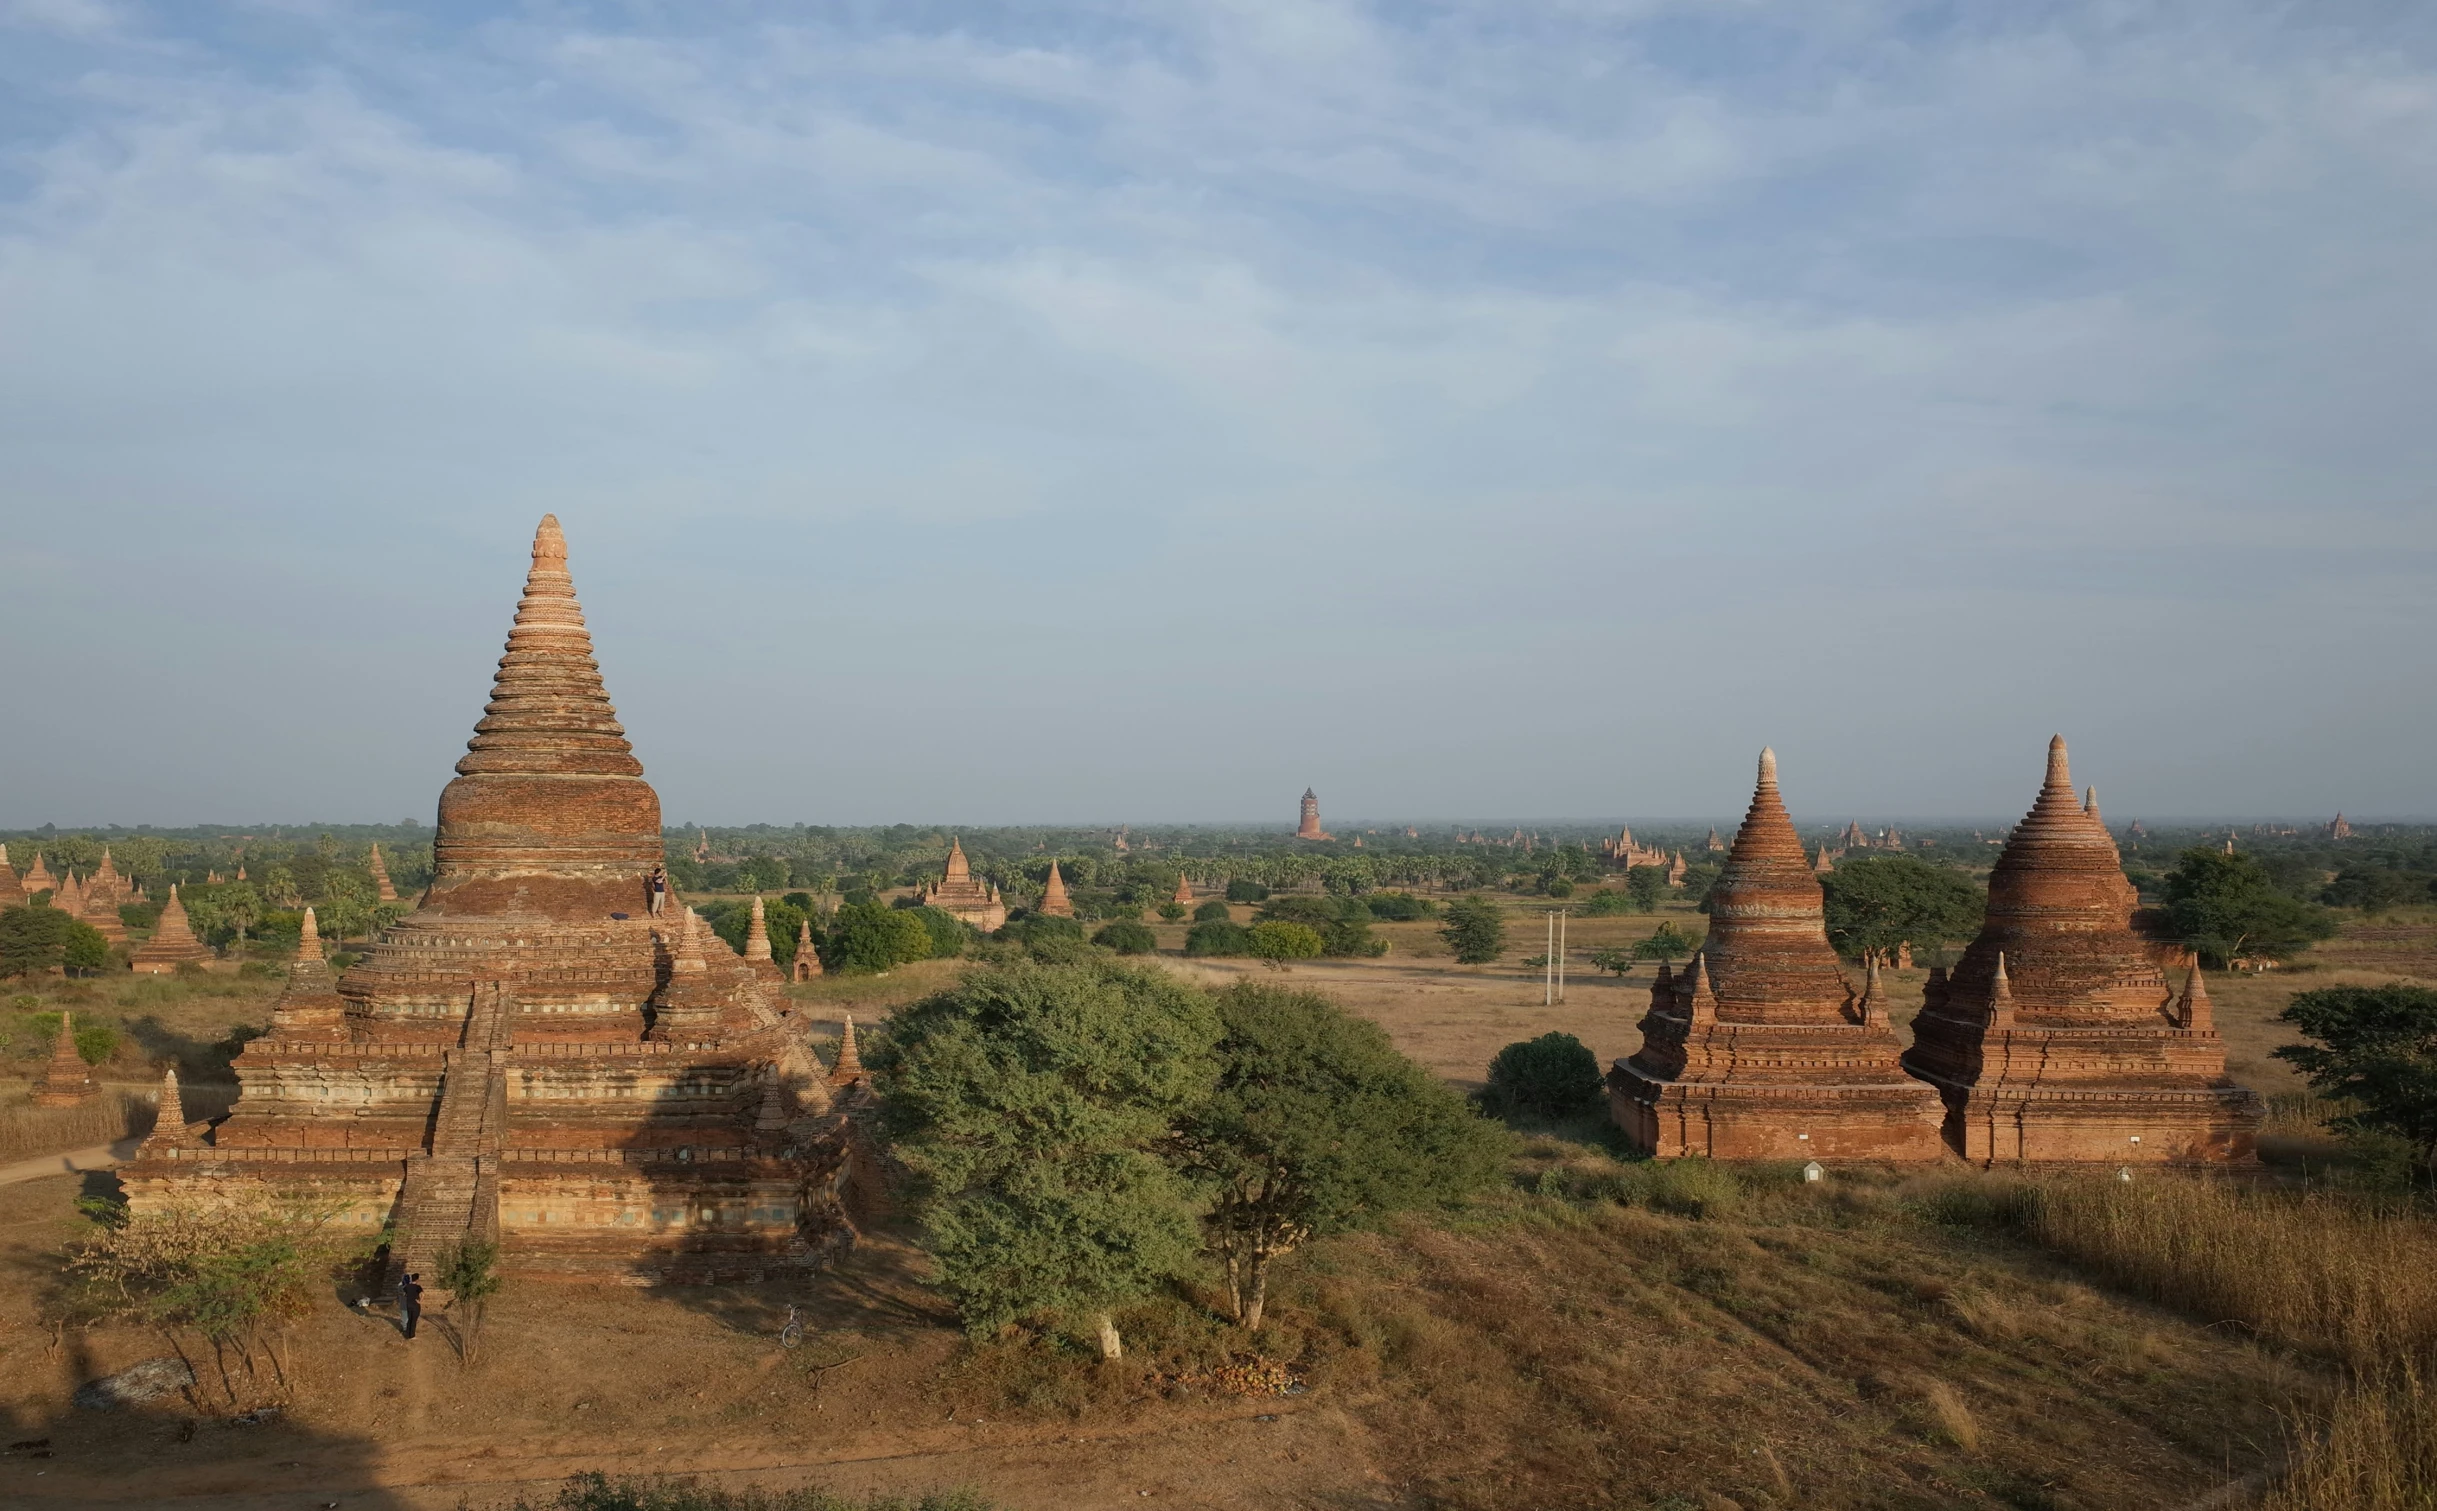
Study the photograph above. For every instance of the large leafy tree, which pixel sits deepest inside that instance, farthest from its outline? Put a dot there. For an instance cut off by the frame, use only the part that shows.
(33, 939)
(1031, 1103)
(2226, 907)
(1475, 930)
(2376, 1047)
(1878, 902)
(1553, 1076)
(866, 936)
(1318, 1125)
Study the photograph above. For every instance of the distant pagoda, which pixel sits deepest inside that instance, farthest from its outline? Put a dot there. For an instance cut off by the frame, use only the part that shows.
(173, 942)
(961, 894)
(1762, 1050)
(1308, 826)
(1054, 901)
(383, 890)
(2057, 1038)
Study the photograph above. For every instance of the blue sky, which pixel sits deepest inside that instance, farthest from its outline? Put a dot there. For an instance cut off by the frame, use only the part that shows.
(1114, 412)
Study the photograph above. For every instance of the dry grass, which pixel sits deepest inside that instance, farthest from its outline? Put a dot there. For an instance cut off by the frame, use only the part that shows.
(27, 1131)
(2373, 1449)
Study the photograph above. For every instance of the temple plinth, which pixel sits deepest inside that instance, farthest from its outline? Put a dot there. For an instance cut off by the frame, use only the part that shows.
(2057, 1038)
(532, 1055)
(1762, 1050)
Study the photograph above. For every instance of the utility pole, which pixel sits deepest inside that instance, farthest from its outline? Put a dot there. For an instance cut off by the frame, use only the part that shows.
(1548, 963)
(1561, 912)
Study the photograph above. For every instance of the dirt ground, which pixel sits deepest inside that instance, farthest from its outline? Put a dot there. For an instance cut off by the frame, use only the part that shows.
(1556, 1355)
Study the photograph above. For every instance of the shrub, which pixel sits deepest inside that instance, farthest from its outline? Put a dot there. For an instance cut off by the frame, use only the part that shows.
(1046, 937)
(1399, 907)
(1247, 891)
(1312, 912)
(1606, 903)
(1693, 1188)
(1667, 943)
(949, 934)
(1276, 940)
(1350, 938)
(1557, 886)
(868, 937)
(1553, 1076)
(1210, 910)
(1218, 937)
(86, 950)
(2376, 1048)
(96, 1043)
(1127, 939)
(1172, 911)
(596, 1492)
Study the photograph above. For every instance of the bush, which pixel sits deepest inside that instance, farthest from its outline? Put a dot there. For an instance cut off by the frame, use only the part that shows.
(96, 1043)
(596, 1492)
(1045, 937)
(1217, 936)
(1551, 1077)
(1173, 912)
(948, 933)
(1211, 909)
(1692, 1188)
(1350, 938)
(86, 950)
(1277, 940)
(868, 937)
(1127, 939)
(1247, 891)
(33, 939)
(1399, 907)
(1557, 886)
(1606, 903)
(1312, 912)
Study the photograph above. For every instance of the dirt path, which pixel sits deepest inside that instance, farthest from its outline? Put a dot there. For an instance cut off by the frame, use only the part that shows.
(74, 1162)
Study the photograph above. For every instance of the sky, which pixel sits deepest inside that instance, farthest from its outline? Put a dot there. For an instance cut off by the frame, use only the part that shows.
(1113, 412)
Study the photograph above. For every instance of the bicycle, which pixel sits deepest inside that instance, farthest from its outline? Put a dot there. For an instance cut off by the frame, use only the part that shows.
(791, 1333)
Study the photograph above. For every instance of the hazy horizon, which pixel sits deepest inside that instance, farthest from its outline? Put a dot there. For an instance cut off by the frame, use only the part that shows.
(1117, 409)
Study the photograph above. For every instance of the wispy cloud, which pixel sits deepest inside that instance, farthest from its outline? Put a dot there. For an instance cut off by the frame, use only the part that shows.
(1915, 379)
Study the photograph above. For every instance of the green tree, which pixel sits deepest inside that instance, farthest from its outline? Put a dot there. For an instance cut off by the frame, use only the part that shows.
(33, 939)
(2225, 908)
(1217, 936)
(1172, 910)
(87, 950)
(1647, 886)
(2374, 889)
(469, 1272)
(1030, 1102)
(1277, 940)
(1209, 910)
(949, 935)
(2377, 1049)
(1399, 907)
(1617, 962)
(1318, 1125)
(866, 936)
(1553, 1076)
(95, 1042)
(1239, 890)
(1607, 902)
(1877, 902)
(1666, 942)
(1127, 938)
(1475, 930)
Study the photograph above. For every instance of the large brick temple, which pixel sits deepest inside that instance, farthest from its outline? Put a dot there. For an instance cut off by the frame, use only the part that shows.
(2059, 1038)
(549, 1051)
(1762, 1049)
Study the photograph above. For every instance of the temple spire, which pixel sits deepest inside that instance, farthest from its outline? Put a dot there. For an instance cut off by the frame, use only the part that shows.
(65, 1081)
(1054, 903)
(309, 939)
(2001, 996)
(850, 1064)
(549, 713)
(169, 1120)
(757, 932)
(2197, 1015)
(1696, 990)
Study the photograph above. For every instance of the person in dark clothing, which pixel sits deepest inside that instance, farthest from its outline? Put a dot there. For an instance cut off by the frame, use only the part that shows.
(410, 1302)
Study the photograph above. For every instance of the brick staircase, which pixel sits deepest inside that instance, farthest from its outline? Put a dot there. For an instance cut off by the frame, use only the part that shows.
(452, 1193)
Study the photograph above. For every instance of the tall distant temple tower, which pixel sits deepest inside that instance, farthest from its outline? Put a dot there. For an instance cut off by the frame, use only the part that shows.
(1309, 826)
(533, 1056)
(2058, 1037)
(1762, 1050)
(960, 894)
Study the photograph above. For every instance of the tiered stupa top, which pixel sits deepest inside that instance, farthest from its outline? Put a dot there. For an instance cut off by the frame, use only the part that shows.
(2060, 911)
(1767, 957)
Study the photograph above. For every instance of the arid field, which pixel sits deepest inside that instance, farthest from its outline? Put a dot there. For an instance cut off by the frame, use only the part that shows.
(1849, 1344)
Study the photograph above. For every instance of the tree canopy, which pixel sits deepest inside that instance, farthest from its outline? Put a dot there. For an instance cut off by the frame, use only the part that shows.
(1030, 1102)
(1553, 1076)
(1878, 902)
(2377, 1049)
(2227, 908)
(33, 939)
(1475, 930)
(1316, 1125)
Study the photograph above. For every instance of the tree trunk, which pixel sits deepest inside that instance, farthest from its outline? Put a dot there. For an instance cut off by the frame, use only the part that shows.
(1111, 1346)
(1260, 1293)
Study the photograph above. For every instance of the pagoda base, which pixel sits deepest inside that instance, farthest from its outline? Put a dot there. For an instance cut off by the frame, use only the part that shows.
(1875, 1123)
(2059, 1125)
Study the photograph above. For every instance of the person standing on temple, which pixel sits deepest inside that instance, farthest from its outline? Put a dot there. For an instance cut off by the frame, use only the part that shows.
(410, 1302)
(659, 889)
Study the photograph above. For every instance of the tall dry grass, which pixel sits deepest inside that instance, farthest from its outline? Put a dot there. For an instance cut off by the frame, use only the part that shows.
(27, 1130)
(2325, 1272)
(2318, 1271)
